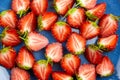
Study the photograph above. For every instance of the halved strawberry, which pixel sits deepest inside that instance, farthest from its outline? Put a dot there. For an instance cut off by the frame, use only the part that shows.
(20, 6)
(8, 18)
(89, 29)
(19, 74)
(76, 17)
(105, 67)
(42, 69)
(108, 25)
(7, 57)
(97, 12)
(10, 37)
(47, 20)
(62, 6)
(61, 31)
(27, 23)
(108, 43)
(70, 63)
(39, 6)
(25, 59)
(86, 72)
(93, 54)
(76, 43)
(61, 76)
(54, 52)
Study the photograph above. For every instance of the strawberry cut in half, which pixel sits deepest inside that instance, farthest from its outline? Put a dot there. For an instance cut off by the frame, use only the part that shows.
(46, 21)
(54, 52)
(76, 43)
(7, 57)
(70, 63)
(42, 69)
(39, 6)
(8, 18)
(25, 59)
(105, 67)
(61, 31)
(75, 17)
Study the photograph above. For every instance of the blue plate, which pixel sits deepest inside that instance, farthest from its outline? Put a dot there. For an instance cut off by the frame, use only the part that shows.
(113, 6)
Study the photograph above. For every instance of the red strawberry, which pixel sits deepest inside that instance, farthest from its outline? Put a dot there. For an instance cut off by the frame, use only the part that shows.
(76, 43)
(61, 31)
(86, 72)
(20, 6)
(89, 29)
(8, 18)
(108, 25)
(54, 52)
(10, 37)
(93, 54)
(42, 69)
(105, 68)
(61, 76)
(25, 59)
(76, 17)
(19, 74)
(70, 63)
(39, 6)
(27, 23)
(7, 57)
(97, 12)
(108, 43)
(62, 6)
(47, 20)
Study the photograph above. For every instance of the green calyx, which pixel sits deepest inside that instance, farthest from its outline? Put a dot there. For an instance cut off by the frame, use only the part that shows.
(79, 3)
(40, 25)
(3, 13)
(91, 16)
(4, 50)
(79, 52)
(107, 75)
(68, 55)
(24, 66)
(93, 46)
(102, 47)
(44, 62)
(22, 12)
(71, 11)
(61, 23)
(49, 60)
(55, 6)
(114, 17)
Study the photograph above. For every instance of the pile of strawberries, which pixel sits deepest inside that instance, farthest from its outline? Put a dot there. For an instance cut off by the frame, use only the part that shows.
(25, 16)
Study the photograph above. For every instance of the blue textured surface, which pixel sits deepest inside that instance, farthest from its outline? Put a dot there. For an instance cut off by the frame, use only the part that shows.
(113, 6)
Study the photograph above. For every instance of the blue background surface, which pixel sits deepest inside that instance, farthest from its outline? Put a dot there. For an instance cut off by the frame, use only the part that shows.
(113, 6)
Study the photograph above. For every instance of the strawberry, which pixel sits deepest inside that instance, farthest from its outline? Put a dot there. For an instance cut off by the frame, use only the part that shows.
(76, 17)
(39, 6)
(42, 69)
(19, 74)
(62, 6)
(7, 57)
(54, 52)
(93, 54)
(8, 18)
(10, 37)
(97, 12)
(61, 76)
(105, 67)
(86, 72)
(20, 6)
(108, 43)
(61, 31)
(76, 43)
(47, 20)
(25, 59)
(89, 29)
(27, 23)
(108, 25)
(70, 63)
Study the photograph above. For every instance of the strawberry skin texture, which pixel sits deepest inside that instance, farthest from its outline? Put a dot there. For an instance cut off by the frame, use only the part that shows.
(39, 6)
(47, 20)
(19, 74)
(25, 59)
(76, 16)
(108, 25)
(42, 69)
(70, 63)
(7, 57)
(8, 18)
(105, 67)
(76, 43)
